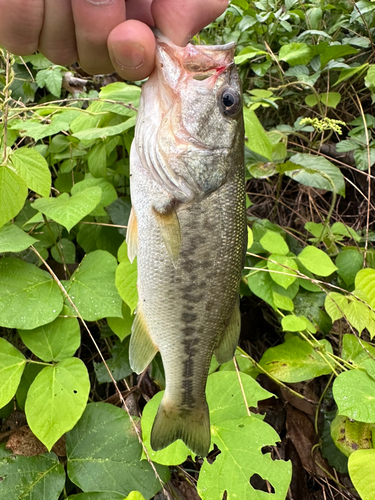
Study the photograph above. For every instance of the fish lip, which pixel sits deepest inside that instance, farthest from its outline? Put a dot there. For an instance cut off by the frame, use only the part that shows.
(161, 38)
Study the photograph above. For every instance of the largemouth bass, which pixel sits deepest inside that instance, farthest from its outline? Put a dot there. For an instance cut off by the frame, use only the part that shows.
(187, 228)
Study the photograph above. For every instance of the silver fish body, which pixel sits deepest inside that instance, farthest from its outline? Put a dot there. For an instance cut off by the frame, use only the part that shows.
(188, 229)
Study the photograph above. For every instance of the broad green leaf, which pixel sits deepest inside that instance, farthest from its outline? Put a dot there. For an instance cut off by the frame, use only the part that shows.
(330, 99)
(13, 193)
(365, 281)
(248, 53)
(329, 450)
(29, 297)
(122, 326)
(92, 287)
(13, 239)
(361, 471)
(312, 100)
(53, 342)
(296, 360)
(257, 140)
(30, 478)
(12, 364)
(343, 230)
(65, 253)
(334, 52)
(126, 282)
(357, 313)
(285, 265)
(316, 171)
(296, 53)
(97, 160)
(118, 364)
(97, 496)
(354, 395)
(68, 211)
(282, 301)
(316, 261)
(51, 78)
(370, 76)
(336, 305)
(122, 92)
(347, 73)
(350, 436)
(274, 243)
(91, 134)
(292, 323)
(109, 194)
(57, 399)
(359, 353)
(31, 166)
(241, 441)
(104, 454)
(261, 284)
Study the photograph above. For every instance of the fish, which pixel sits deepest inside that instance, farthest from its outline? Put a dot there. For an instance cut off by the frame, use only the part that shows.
(187, 228)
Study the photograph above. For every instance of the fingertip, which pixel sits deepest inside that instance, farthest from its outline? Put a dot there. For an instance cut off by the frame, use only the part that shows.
(131, 46)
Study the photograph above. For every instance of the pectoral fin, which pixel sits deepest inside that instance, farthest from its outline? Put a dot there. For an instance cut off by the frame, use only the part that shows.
(225, 350)
(170, 230)
(142, 348)
(132, 236)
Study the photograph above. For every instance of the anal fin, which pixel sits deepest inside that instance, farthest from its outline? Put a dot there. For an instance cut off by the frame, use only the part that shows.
(132, 236)
(142, 348)
(225, 350)
(170, 230)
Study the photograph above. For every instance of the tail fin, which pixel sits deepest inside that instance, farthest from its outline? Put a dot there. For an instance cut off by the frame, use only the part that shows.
(192, 426)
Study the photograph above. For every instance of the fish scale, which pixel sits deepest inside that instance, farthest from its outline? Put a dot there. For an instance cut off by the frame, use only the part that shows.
(188, 229)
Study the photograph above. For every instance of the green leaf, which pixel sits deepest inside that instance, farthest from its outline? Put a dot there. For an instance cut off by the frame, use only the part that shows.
(57, 399)
(248, 53)
(260, 283)
(296, 53)
(296, 360)
(66, 253)
(97, 160)
(316, 261)
(311, 100)
(51, 78)
(13, 239)
(354, 395)
(347, 73)
(92, 287)
(104, 454)
(98, 496)
(359, 353)
(53, 342)
(292, 323)
(122, 326)
(29, 297)
(91, 134)
(126, 281)
(12, 364)
(30, 372)
(316, 171)
(122, 92)
(330, 99)
(13, 193)
(361, 471)
(118, 365)
(30, 478)
(365, 282)
(285, 265)
(31, 166)
(350, 436)
(68, 211)
(257, 140)
(109, 194)
(241, 441)
(274, 243)
(336, 305)
(370, 76)
(334, 52)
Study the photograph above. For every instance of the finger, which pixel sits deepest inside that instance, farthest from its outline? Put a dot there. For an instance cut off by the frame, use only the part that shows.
(20, 25)
(141, 10)
(58, 40)
(179, 20)
(94, 20)
(132, 49)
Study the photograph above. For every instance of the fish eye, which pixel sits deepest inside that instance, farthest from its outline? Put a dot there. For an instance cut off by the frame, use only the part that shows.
(229, 101)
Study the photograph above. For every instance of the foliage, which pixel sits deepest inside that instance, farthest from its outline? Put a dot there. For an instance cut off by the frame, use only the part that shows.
(68, 291)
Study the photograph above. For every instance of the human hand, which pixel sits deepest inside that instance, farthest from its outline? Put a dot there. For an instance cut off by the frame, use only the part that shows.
(103, 35)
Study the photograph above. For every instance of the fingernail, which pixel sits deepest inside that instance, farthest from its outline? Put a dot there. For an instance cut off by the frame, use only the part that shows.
(100, 2)
(130, 55)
